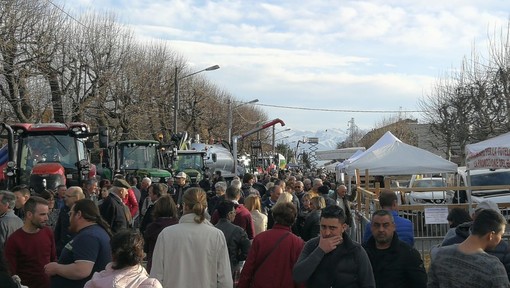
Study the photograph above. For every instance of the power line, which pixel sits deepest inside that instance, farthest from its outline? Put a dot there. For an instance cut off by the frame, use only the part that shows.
(65, 12)
(339, 110)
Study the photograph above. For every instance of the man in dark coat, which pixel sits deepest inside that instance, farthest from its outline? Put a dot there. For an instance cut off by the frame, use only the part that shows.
(113, 209)
(332, 259)
(395, 264)
(237, 240)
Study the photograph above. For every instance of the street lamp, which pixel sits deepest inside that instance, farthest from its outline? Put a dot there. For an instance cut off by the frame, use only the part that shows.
(230, 111)
(274, 134)
(176, 87)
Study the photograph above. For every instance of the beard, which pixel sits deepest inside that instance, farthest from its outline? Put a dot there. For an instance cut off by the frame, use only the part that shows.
(382, 239)
(39, 225)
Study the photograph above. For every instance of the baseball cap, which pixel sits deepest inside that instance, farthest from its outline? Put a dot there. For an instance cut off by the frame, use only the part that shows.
(181, 175)
(488, 204)
(121, 183)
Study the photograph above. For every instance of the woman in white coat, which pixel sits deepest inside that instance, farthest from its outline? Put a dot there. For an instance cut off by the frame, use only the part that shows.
(192, 253)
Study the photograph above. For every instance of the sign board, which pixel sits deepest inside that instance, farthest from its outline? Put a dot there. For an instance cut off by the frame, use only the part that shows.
(436, 215)
(490, 157)
(313, 140)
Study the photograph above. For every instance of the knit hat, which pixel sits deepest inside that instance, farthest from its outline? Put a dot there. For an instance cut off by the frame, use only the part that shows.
(488, 204)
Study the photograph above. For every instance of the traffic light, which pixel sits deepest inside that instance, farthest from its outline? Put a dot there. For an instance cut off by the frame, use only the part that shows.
(103, 137)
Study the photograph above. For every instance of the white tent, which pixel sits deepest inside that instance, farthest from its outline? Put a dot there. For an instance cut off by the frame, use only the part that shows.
(387, 138)
(399, 158)
(492, 153)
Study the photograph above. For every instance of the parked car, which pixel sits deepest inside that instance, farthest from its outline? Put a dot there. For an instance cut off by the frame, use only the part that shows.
(487, 177)
(429, 197)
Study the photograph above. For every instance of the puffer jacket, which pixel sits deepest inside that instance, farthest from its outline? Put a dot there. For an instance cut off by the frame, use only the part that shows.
(129, 277)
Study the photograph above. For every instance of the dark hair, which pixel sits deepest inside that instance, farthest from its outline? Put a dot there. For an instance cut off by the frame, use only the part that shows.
(387, 198)
(105, 183)
(225, 207)
(323, 189)
(333, 211)
(232, 193)
(127, 249)
(458, 216)
(383, 212)
(90, 212)
(159, 189)
(47, 194)
(195, 199)
(32, 203)
(164, 207)
(247, 177)
(23, 189)
(487, 221)
(284, 213)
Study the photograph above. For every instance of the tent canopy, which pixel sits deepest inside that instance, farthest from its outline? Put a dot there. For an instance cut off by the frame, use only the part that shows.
(492, 153)
(399, 158)
(387, 138)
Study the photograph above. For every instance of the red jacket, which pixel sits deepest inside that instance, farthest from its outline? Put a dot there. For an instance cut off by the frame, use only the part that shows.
(276, 271)
(131, 202)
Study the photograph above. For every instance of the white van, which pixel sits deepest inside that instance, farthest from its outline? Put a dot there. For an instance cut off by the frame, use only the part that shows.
(487, 177)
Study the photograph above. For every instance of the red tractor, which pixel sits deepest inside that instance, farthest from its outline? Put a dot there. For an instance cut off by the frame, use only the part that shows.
(45, 155)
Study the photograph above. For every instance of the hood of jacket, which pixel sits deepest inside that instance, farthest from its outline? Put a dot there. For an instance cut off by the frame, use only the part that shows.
(129, 277)
(463, 229)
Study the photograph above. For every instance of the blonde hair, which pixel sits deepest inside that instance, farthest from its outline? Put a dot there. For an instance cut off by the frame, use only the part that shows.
(77, 192)
(252, 202)
(196, 201)
(307, 195)
(285, 197)
(318, 202)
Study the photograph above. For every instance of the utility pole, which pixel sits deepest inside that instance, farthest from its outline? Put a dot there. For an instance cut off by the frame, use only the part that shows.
(352, 130)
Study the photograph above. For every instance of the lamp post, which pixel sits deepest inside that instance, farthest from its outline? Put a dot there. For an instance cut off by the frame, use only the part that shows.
(176, 87)
(274, 134)
(230, 111)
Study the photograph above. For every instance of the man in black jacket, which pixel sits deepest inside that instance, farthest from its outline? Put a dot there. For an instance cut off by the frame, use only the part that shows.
(333, 259)
(113, 209)
(395, 263)
(237, 240)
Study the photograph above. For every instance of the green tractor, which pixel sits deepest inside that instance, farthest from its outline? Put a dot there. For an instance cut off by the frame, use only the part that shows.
(190, 162)
(139, 158)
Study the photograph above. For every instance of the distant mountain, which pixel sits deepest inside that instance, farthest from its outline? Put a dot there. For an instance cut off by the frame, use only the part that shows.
(328, 138)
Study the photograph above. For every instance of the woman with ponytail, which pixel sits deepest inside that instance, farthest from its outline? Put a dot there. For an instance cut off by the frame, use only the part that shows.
(192, 253)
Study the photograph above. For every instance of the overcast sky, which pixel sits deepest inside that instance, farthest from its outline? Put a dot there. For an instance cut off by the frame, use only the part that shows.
(338, 55)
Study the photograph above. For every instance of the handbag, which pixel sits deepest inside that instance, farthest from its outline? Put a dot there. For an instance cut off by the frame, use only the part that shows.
(271, 252)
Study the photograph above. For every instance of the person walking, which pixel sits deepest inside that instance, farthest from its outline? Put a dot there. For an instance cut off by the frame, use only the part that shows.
(273, 253)
(395, 264)
(126, 270)
(332, 259)
(9, 222)
(164, 214)
(32, 246)
(209, 265)
(467, 264)
(87, 252)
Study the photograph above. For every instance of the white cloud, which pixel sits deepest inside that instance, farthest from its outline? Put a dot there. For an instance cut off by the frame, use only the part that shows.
(377, 54)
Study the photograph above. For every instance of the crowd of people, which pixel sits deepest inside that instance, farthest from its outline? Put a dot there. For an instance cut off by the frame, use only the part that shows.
(282, 230)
